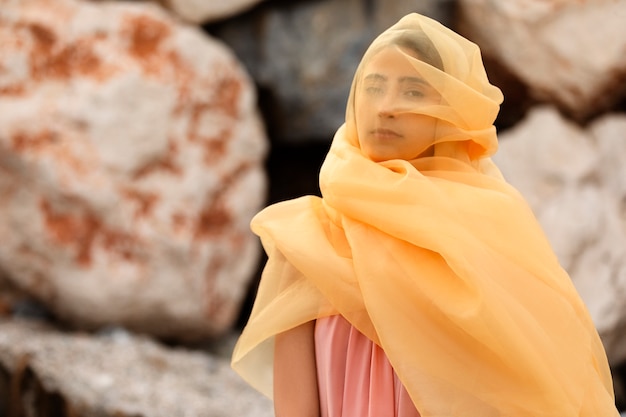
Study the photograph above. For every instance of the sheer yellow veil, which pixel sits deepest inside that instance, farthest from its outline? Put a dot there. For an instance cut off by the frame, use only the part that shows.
(436, 259)
(452, 65)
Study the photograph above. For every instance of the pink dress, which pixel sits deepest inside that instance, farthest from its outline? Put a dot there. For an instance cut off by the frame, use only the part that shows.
(355, 377)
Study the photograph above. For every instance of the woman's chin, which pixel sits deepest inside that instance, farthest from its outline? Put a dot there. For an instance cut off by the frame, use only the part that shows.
(382, 156)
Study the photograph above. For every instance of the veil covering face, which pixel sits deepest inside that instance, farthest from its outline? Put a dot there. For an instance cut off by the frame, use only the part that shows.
(452, 68)
(435, 258)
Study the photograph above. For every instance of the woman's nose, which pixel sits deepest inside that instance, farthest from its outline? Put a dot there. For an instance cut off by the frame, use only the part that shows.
(386, 106)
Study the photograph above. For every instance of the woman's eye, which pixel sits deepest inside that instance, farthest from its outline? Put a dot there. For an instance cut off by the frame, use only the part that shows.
(373, 90)
(414, 93)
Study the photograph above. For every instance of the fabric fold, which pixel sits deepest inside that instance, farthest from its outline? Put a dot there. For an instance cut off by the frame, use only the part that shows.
(438, 261)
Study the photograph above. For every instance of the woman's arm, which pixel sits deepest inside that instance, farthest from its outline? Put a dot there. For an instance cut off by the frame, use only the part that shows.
(295, 373)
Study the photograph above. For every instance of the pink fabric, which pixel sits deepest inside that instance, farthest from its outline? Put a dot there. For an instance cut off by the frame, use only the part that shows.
(355, 377)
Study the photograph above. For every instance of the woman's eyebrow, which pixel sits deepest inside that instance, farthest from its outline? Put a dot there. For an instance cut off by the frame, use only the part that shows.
(380, 77)
(376, 77)
(413, 80)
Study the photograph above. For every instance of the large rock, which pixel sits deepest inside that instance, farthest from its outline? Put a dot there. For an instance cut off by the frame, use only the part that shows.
(10, 296)
(303, 56)
(202, 11)
(575, 181)
(570, 53)
(130, 166)
(115, 374)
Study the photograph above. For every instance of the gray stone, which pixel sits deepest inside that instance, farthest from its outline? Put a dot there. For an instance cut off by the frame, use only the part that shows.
(303, 55)
(120, 374)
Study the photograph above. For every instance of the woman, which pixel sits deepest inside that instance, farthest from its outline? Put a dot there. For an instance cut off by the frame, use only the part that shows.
(420, 283)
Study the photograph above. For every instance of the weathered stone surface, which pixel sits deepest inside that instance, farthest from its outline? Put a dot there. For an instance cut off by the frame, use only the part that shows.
(303, 56)
(575, 181)
(571, 53)
(118, 374)
(202, 11)
(130, 166)
(9, 295)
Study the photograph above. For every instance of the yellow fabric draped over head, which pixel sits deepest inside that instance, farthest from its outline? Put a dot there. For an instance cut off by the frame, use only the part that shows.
(434, 258)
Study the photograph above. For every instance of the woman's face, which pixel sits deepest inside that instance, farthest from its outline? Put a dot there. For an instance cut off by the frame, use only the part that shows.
(390, 88)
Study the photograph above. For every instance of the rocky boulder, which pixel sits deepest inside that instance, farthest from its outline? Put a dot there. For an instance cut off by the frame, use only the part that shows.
(570, 53)
(130, 166)
(202, 11)
(45, 372)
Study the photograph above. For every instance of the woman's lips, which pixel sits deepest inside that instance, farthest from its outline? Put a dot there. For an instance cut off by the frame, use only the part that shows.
(382, 133)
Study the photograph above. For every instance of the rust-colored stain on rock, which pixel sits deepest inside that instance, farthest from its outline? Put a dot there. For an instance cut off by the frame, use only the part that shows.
(164, 164)
(215, 148)
(81, 231)
(146, 35)
(50, 59)
(225, 99)
(122, 244)
(167, 163)
(50, 142)
(44, 38)
(184, 77)
(22, 141)
(144, 201)
(227, 96)
(71, 230)
(197, 110)
(213, 220)
(13, 90)
(179, 222)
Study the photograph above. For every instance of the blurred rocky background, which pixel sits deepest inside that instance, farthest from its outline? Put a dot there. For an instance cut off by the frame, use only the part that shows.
(138, 138)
